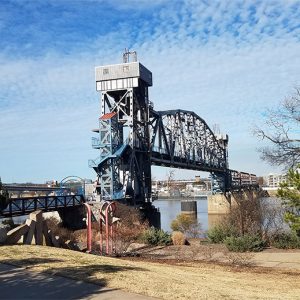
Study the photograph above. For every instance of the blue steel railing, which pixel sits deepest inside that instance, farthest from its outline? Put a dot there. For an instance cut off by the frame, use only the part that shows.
(93, 163)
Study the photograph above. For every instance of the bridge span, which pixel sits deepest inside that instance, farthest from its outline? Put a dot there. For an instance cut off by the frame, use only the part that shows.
(132, 136)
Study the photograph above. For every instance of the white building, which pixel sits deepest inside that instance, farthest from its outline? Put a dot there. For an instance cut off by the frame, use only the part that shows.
(274, 180)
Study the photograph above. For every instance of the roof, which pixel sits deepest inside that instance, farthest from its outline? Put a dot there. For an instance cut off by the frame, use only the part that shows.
(108, 116)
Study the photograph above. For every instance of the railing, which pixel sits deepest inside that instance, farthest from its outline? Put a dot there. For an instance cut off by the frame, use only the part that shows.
(93, 163)
(95, 143)
(23, 206)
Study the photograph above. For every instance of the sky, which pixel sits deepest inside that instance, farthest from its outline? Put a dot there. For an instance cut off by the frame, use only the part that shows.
(228, 61)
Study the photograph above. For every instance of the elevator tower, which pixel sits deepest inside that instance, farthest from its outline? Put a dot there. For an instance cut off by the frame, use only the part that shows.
(123, 165)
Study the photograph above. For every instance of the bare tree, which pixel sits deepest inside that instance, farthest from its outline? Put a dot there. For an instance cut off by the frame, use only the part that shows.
(170, 178)
(283, 132)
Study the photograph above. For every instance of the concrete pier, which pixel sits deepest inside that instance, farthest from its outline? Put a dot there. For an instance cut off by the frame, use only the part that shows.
(218, 204)
(221, 204)
(189, 207)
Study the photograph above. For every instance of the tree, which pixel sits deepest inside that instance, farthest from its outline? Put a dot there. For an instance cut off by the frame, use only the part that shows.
(282, 131)
(170, 178)
(284, 135)
(290, 193)
(3, 196)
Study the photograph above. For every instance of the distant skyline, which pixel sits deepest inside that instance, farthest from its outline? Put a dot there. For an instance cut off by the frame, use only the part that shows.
(228, 61)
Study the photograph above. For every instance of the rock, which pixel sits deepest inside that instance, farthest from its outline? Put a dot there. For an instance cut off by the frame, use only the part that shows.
(72, 246)
(14, 235)
(81, 246)
(47, 237)
(37, 216)
(56, 240)
(29, 238)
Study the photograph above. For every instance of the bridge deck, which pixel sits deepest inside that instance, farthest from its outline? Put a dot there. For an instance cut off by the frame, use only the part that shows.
(159, 159)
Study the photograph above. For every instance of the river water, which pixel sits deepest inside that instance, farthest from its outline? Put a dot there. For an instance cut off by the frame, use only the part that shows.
(170, 208)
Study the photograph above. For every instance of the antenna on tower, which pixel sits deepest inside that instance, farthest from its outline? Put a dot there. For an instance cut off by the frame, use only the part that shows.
(127, 54)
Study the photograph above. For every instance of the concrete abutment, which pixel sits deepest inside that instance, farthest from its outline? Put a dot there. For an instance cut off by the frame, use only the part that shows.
(219, 204)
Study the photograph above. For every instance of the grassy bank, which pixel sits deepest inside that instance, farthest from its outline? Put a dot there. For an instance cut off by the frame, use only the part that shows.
(158, 280)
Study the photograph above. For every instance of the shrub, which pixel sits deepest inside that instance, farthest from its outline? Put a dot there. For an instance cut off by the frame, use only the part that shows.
(126, 235)
(244, 243)
(240, 259)
(153, 236)
(58, 230)
(129, 229)
(178, 238)
(187, 224)
(286, 240)
(220, 232)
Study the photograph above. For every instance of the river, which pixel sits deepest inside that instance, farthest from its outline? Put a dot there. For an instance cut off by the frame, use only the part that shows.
(170, 208)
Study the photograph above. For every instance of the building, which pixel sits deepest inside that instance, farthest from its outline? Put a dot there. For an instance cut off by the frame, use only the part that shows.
(274, 180)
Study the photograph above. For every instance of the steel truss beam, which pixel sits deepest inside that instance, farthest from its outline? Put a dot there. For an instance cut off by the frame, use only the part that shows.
(181, 139)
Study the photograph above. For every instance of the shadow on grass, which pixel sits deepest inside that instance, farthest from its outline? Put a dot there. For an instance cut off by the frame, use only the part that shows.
(20, 283)
(30, 262)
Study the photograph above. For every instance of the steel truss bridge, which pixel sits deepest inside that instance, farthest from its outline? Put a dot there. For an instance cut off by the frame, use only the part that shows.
(26, 205)
(132, 136)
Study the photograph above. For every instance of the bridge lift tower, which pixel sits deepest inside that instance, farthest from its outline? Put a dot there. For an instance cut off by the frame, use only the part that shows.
(124, 164)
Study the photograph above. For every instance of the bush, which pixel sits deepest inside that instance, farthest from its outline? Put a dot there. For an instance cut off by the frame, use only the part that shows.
(129, 228)
(244, 243)
(153, 236)
(187, 224)
(220, 232)
(126, 235)
(58, 230)
(240, 259)
(286, 240)
(178, 238)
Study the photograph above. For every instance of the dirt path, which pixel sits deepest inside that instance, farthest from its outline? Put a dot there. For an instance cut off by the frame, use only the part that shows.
(271, 258)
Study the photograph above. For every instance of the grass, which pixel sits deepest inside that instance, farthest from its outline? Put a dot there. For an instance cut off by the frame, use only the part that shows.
(196, 281)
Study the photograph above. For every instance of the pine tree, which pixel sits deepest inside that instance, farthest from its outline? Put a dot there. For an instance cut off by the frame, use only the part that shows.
(289, 192)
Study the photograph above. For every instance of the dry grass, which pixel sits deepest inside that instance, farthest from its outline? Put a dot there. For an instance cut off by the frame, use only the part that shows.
(178, 238)
(158, 280)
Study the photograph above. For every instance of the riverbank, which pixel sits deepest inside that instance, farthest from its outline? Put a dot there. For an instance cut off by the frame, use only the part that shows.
(197, 280)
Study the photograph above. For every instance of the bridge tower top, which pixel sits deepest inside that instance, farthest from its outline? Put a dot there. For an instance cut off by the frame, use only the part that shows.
(122, 76)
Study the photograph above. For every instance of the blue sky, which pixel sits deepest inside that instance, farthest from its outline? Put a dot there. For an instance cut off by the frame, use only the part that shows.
(226, 60)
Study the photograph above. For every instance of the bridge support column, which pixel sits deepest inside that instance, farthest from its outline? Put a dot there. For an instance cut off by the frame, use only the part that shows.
(189, 207)
(152, 214)
(72, 217)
